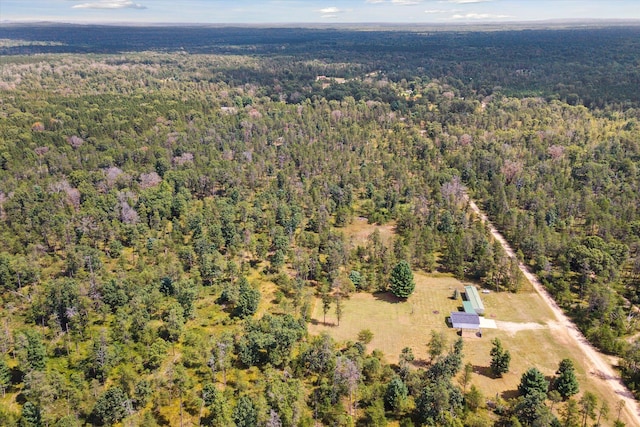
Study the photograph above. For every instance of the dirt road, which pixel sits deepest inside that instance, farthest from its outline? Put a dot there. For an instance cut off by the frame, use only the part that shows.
(597, 364)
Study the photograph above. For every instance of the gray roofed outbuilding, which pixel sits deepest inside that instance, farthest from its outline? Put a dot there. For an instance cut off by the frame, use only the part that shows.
(460, 320)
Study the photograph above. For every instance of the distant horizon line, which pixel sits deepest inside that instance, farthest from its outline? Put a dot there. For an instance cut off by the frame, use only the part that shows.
(579, 21)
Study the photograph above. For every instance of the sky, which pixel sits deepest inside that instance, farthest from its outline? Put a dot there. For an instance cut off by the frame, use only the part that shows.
(315, 11)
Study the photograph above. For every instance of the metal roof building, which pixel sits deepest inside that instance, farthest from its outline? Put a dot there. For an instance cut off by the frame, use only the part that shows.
(460, 320)
(474, 298)
(468, 307)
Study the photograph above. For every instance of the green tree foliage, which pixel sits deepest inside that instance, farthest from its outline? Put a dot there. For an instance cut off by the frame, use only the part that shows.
(218, 406)
(449, 365)
(570, 414)
(186, 295)
(110, 406)
(248, 299)
(167, 178)
(588, 404)
(173, 322)
(318, 356)
(436, 401)
(365, 336)
(566, 382)
(269, 340)
(285, 397)
(5, 376)
(245, 413)
(395, 394)
(374, 414)
(500, 358)
(31, 416)
(31, 350)
(437, 344)
(473, 399)
(356, 279)
(114, 294)
(157, 353)
(533, 382)
(402, 284)
(531, 410)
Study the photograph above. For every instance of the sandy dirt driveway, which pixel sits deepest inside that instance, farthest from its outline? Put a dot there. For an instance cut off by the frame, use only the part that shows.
(598, 366)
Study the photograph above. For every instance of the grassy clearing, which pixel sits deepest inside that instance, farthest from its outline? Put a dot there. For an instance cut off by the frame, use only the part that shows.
(359, 231)
(398, 324)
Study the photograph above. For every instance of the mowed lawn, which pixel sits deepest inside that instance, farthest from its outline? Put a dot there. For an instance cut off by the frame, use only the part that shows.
(397, 324)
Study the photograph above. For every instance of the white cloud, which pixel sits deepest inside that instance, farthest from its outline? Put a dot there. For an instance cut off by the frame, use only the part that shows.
(405, 2)
(331, 10)
(375, 1)
(464, 1)
(436, 11)
(479, 16)
(109, 4)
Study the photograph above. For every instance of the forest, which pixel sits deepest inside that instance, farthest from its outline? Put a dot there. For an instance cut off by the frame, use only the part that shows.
(175, 201)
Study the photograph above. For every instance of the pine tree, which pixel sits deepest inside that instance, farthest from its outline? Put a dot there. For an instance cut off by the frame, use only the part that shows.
(34, 352)
(402, 284)
(395, 394)
(437, 344)
(473, 399)
(566, 383)
(248, 299)
(31, 416)
(500, 358)
(533, 382)
(111, 406)
(245, 414)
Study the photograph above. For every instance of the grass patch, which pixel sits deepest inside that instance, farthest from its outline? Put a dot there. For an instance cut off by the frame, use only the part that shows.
(359, 230)
(397, 324)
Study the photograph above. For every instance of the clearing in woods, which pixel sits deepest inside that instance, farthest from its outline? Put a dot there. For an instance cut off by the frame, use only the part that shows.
(527, 327)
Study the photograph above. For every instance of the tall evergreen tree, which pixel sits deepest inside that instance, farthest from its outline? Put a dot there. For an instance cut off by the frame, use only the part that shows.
(248, 299)
(566, 383)
(110, 406)
(533, 381)
(31, 416)
(396, 394)
(32, 353)
(402, 284)
(500, 358)
(245, 414)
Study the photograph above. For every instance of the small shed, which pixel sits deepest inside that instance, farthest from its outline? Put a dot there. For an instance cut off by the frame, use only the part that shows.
(461, 320)
(474, 298)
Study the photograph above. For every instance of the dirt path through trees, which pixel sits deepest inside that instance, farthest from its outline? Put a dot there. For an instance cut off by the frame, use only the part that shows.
(597, 364)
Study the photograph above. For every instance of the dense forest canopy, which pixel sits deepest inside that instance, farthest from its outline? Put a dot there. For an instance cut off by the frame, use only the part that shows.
(174, 200)
(588, 65)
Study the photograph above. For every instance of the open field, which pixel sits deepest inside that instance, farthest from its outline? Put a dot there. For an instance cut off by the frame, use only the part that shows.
(532, 335)
(359, 231)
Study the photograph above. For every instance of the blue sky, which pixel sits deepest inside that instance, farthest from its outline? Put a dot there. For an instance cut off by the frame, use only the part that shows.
(311, 11)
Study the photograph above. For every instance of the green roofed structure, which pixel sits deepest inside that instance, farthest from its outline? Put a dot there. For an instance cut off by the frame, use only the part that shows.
(473, 298)
(468, 307)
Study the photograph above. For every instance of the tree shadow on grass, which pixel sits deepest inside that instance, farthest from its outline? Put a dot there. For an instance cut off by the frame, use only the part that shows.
(320, 322)
(421, 363)
(388, 297)
(510, 394)
(485, 371)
